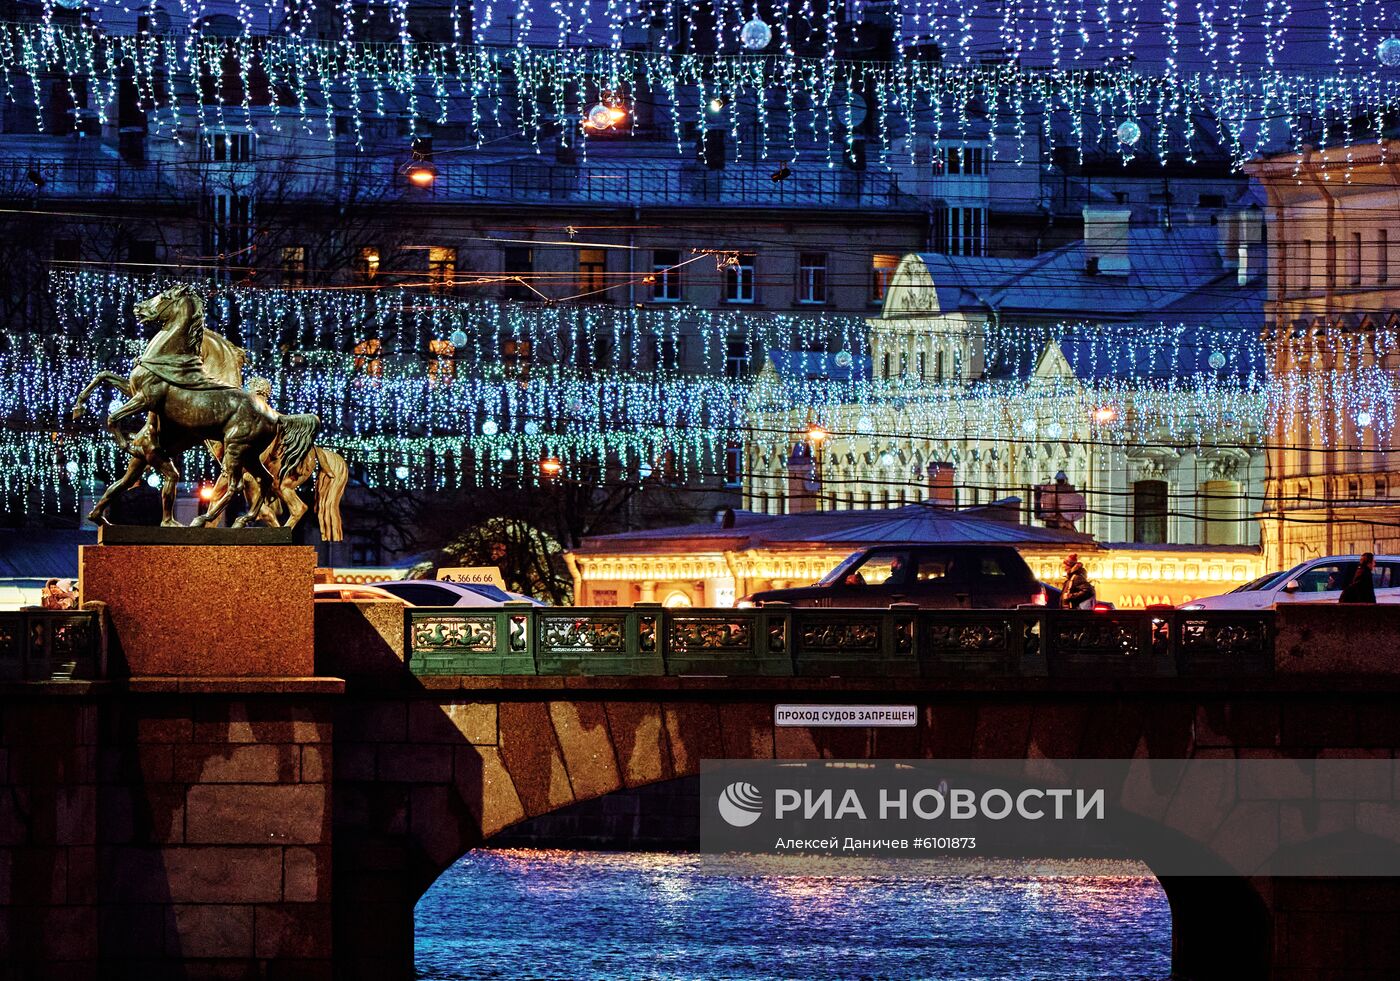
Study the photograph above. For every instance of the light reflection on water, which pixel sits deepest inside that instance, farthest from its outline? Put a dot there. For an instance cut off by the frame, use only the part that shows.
(525, 913)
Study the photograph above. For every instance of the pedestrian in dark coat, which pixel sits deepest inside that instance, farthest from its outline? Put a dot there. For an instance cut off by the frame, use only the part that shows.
(1076, 590)
(1362, 588)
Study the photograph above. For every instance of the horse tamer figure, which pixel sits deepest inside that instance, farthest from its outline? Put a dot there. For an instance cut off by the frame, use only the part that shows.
(186, 407)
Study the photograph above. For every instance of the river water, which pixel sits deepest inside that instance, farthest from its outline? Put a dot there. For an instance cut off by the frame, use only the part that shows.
(526, 913)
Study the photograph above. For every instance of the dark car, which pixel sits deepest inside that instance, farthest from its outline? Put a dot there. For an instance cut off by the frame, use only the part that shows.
(937, 577)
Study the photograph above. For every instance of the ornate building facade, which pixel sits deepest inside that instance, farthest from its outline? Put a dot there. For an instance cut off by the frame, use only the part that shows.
(1121, 363)
(1331, 334)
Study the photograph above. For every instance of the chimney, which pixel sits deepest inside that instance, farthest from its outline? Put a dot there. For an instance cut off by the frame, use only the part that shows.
(1106, 241)
(1227, 244)
(941, 490)
(802, 485)
(1251, 245)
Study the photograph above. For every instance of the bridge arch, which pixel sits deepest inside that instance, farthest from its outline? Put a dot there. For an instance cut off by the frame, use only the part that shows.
(445, 772)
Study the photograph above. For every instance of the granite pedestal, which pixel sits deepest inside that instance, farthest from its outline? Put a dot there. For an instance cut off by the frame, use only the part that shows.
(205, 610)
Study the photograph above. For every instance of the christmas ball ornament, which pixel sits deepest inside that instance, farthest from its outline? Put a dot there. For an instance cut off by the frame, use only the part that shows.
(458, 338)
(532, 428)
(489, 427)
(1363, 419)
(1388, 51)
(72, 468)
(1028, 427)
(506, 454)
(1129, 132)
(843, 359)
(600, 116)
(756, 34)
(153, 480)
(401, 472)
(865, 425)
(1217, 360)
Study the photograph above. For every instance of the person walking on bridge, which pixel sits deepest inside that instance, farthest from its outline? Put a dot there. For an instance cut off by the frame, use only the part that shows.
(1362, 588)
(1077, 592)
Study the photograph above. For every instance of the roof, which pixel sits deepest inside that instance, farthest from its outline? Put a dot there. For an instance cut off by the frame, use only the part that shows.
(808, 365)
(923, 524)
(41, 554)
(1166, 266)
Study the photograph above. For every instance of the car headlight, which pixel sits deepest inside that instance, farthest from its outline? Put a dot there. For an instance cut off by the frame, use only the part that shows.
(1194, 606)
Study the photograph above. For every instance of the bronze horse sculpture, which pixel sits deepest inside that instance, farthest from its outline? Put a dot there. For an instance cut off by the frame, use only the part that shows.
(185, 407)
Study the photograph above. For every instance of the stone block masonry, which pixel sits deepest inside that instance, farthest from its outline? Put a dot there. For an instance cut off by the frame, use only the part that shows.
(160, 835)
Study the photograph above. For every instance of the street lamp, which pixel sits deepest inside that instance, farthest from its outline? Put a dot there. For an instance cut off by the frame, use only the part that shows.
(550, 466)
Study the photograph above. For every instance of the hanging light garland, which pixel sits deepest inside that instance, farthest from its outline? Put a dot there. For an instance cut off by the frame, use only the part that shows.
(407, 416)
(316, 85)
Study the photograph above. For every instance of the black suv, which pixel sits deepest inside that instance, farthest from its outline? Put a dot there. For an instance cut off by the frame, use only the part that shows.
(935, 577)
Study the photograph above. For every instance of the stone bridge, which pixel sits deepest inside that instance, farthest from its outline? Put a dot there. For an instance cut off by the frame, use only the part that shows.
(284, 821)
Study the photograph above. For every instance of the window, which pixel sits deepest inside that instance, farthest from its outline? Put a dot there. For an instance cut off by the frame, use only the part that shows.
(1150, 512)
(592, 273)
(885, 365)
(1355, 258)
(1328, 577)
(811, 278)
(933, 570)
(367, 264)
(1382, 256)
(739, 278)
(293, 266)
(958, 161)
(442, 268)
(733, 464)
(665, 276)
(229, 231)
(736, 357)
(990, 565)
(519, 260)
(938, 366)
(962, 231)
(880, 569)
(882, 266)
(226, 148)
(921, 359)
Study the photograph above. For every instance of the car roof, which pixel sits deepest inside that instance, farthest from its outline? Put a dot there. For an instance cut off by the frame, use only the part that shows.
(1348, 558)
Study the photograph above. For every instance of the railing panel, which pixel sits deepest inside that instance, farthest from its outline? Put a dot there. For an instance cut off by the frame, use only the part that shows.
(448, 640)
(729, 642)
(1080, 643)
(44, 645)
(608, 640)
(1217, 643)
(978, 642)
(849, 643)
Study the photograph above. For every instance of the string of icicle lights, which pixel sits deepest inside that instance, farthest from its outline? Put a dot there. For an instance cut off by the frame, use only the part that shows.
(794, 103)
(429, 420)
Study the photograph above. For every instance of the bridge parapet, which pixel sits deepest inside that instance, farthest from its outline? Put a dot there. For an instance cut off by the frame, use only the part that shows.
(901, 641)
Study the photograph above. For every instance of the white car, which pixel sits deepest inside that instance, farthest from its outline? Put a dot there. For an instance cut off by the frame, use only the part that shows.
(1315, 581)
(435, 592)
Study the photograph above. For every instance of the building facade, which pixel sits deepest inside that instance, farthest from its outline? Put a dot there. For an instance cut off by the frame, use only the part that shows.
(1331, 333)
(1119, 363)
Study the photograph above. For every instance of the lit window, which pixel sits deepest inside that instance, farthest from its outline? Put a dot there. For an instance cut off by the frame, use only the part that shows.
(442, 268)
(367, 265)
(882, 266)
(592, 272)
(736, 357)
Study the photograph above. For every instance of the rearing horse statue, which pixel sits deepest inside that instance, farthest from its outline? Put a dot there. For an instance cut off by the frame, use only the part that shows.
(187, 407)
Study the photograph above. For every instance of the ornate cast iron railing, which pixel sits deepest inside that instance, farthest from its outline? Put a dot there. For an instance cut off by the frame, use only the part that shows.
(777, 640)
